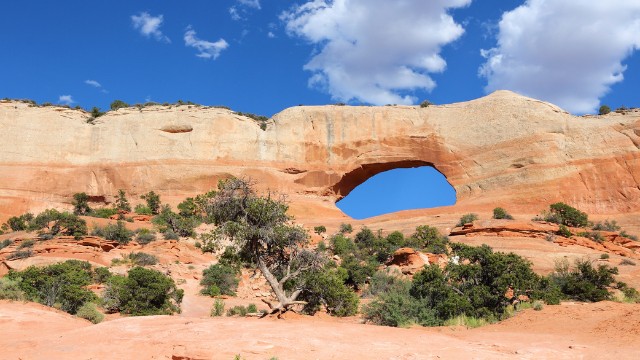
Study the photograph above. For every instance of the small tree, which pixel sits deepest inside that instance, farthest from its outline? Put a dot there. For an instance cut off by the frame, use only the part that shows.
(500, 213)
(153, 201)
(118, 104)
(604, 110)
(81, 204)
(122, 203)
(262, 231)
(320, 229)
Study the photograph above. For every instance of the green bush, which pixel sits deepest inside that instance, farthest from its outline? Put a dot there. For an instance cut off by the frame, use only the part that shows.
(358, 271)
(153, 201)
(142, 259)
(219, 279)
(145, 236)
(430, 240)
(466, 219)
(218, 308)
(26, 244)
(606, 226)
(121, 203)
(104, 213)
(142, 292)
(20, 254)
(538, 305)
(101, 275)
(55, 223)
(397, 307)
(604, 109)
(168, 220)
(342, 245)
(170, 235)
(381, 282)
(320, 229)
(90, 312)
(628, 236)
(592, 235)
(604, 256)
(4, 243)
(237, 310)
(583, 282)
(500, 213)
(564, 214)
(10, 289)
(325, 287)
(81, 204)
(118, 104)
(252, 308)
(346, 228)
(141, 209)
(116, 232)
(425, 103)
(20, 223)
(564, 231)
(63, 284)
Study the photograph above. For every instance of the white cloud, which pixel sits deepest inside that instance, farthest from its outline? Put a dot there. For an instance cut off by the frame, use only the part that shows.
(149, 26)
(271, 35)
(93, 83)
(235, 15)
(375, 51)
(568, 52)
(255, 4)
(65, 99)
(206, 49)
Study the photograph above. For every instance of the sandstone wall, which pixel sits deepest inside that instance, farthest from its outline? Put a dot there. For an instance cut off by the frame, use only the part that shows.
(503, 149)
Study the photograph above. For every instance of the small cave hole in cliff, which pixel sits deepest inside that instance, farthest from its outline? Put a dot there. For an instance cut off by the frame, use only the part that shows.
(398, 189)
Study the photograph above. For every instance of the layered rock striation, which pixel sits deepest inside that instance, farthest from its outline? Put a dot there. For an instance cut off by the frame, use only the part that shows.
(500, 149)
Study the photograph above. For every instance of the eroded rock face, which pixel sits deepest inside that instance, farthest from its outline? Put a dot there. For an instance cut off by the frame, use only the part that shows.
(503, 148)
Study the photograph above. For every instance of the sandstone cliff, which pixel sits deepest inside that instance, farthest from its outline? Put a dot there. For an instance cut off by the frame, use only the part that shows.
(503, 148)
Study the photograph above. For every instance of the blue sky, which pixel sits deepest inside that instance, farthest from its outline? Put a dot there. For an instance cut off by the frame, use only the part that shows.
(262, 56)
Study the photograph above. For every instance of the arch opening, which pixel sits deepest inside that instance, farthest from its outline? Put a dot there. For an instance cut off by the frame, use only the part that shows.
(392, 190)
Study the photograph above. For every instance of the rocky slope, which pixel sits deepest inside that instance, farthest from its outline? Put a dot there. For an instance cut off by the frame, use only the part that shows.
(503, 148)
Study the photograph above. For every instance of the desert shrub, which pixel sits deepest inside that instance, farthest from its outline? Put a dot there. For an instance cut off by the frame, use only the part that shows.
(325, 287)
(4, 243)
(500, 213)
(142, 292)
(430, 239)
(538, 305)
(141, 209)
(63, 284)
(469, 322)
(118, 104)
(81, 204)
(188, 208)
(627, 262)
(320, 229)
(425, 103)
(564, 214)
(20, 223)
(358, 271)
(96, 113)
(346, 228)
(604, 109)
(55, 223)
(153, 201)
(583, 282)
(115, 232)
(397, 307)
(604, 256)
(20, 254)
(322, 246)
(342, 245)
(170, 235)
(101, 275)
(142, 259)
(592, 235)
(231, 258)
(606, 226)
(145, 236)
(168, 220)
(104, 213)
(26, 244)
(122, 203)
(252, 308)
(564, 231)
(218, 308)
(90, 312)
(237, 310)
(10, 289)
(466, 219)
(628, 236)
(219, 280)
(381, 282)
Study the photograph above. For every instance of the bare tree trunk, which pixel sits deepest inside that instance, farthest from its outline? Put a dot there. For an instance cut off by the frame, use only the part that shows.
(284, 302)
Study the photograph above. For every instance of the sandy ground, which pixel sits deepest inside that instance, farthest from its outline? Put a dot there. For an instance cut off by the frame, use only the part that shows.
(569, 331)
